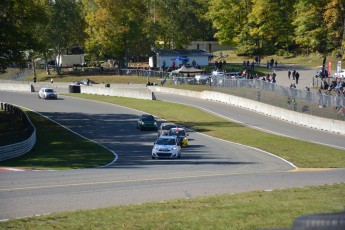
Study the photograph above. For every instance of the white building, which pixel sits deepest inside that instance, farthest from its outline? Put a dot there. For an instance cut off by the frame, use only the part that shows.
(180, 57)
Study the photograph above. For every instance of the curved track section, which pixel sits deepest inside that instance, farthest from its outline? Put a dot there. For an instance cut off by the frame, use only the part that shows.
(208, 166)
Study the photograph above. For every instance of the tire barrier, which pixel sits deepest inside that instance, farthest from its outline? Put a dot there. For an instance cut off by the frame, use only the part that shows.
(74, 88)
(23, 147)
(325, 221)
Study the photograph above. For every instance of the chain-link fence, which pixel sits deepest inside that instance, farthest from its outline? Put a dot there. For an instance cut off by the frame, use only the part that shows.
(323, 104)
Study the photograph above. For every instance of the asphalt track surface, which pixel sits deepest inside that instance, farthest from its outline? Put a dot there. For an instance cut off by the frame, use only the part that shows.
(208, 166)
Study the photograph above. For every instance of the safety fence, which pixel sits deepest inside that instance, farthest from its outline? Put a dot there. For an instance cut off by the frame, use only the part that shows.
(326, 104)
(23, 147)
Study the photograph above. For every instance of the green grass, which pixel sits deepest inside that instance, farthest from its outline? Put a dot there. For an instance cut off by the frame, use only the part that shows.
(58, 148)
(313, 59)
(251, 210)
(302, 154)
(12, 129)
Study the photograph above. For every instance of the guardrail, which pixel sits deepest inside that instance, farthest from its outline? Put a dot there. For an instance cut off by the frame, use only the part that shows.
(23, 147)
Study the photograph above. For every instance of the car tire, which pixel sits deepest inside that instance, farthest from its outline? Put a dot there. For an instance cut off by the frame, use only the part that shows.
(153, 158)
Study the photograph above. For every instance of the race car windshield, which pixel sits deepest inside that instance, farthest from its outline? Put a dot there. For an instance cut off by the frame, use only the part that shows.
(177, 133)
(168, 127)
(148, 118)
(164, 141)
(181, 133)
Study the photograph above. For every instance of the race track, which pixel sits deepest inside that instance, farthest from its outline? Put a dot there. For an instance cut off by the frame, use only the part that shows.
(208, 166)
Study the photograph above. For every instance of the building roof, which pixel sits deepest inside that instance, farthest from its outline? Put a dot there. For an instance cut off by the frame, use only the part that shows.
(175, 52)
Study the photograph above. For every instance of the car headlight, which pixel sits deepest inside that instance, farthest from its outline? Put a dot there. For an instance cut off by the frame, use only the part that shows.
(174, 148)
(155, 123)
(155, 148)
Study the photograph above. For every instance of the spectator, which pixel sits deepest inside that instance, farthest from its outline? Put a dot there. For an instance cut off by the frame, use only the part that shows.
(224, 63)
(163, 65)
(308, 94)
(293, 74)
(274, 77)
(271, 63)
(297, 76)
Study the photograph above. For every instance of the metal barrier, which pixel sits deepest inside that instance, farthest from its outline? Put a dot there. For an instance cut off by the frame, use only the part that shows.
(23, 147)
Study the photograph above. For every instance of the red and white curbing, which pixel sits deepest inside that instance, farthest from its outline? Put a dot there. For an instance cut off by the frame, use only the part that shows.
(19, 170)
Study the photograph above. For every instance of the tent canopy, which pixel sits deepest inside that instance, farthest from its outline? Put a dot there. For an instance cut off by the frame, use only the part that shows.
(185, 69)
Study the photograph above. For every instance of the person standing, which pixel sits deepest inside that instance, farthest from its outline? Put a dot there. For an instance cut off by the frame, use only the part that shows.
(297, 76)
(274, 77)
(193, 63)
(289, 74)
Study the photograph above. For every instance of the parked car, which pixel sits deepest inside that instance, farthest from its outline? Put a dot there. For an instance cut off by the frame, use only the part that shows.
(146, 121)
(341, 74)
(47, 93)
(202, 79)
(181, 136)
(166, 147)
(165, 127)
(85, 82)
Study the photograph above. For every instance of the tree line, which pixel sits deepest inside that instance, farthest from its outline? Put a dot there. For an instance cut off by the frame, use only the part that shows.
(126, 29)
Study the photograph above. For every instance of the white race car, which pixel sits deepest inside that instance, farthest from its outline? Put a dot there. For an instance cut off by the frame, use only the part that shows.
(166, 147)
(47, 93)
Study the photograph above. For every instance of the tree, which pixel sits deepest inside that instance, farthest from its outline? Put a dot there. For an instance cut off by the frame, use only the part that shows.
(178, 22)
(65, 26)
(116, 29)
(334, 16)
(270, 21)
(310, 32)
(17, 19)
(229, 18)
